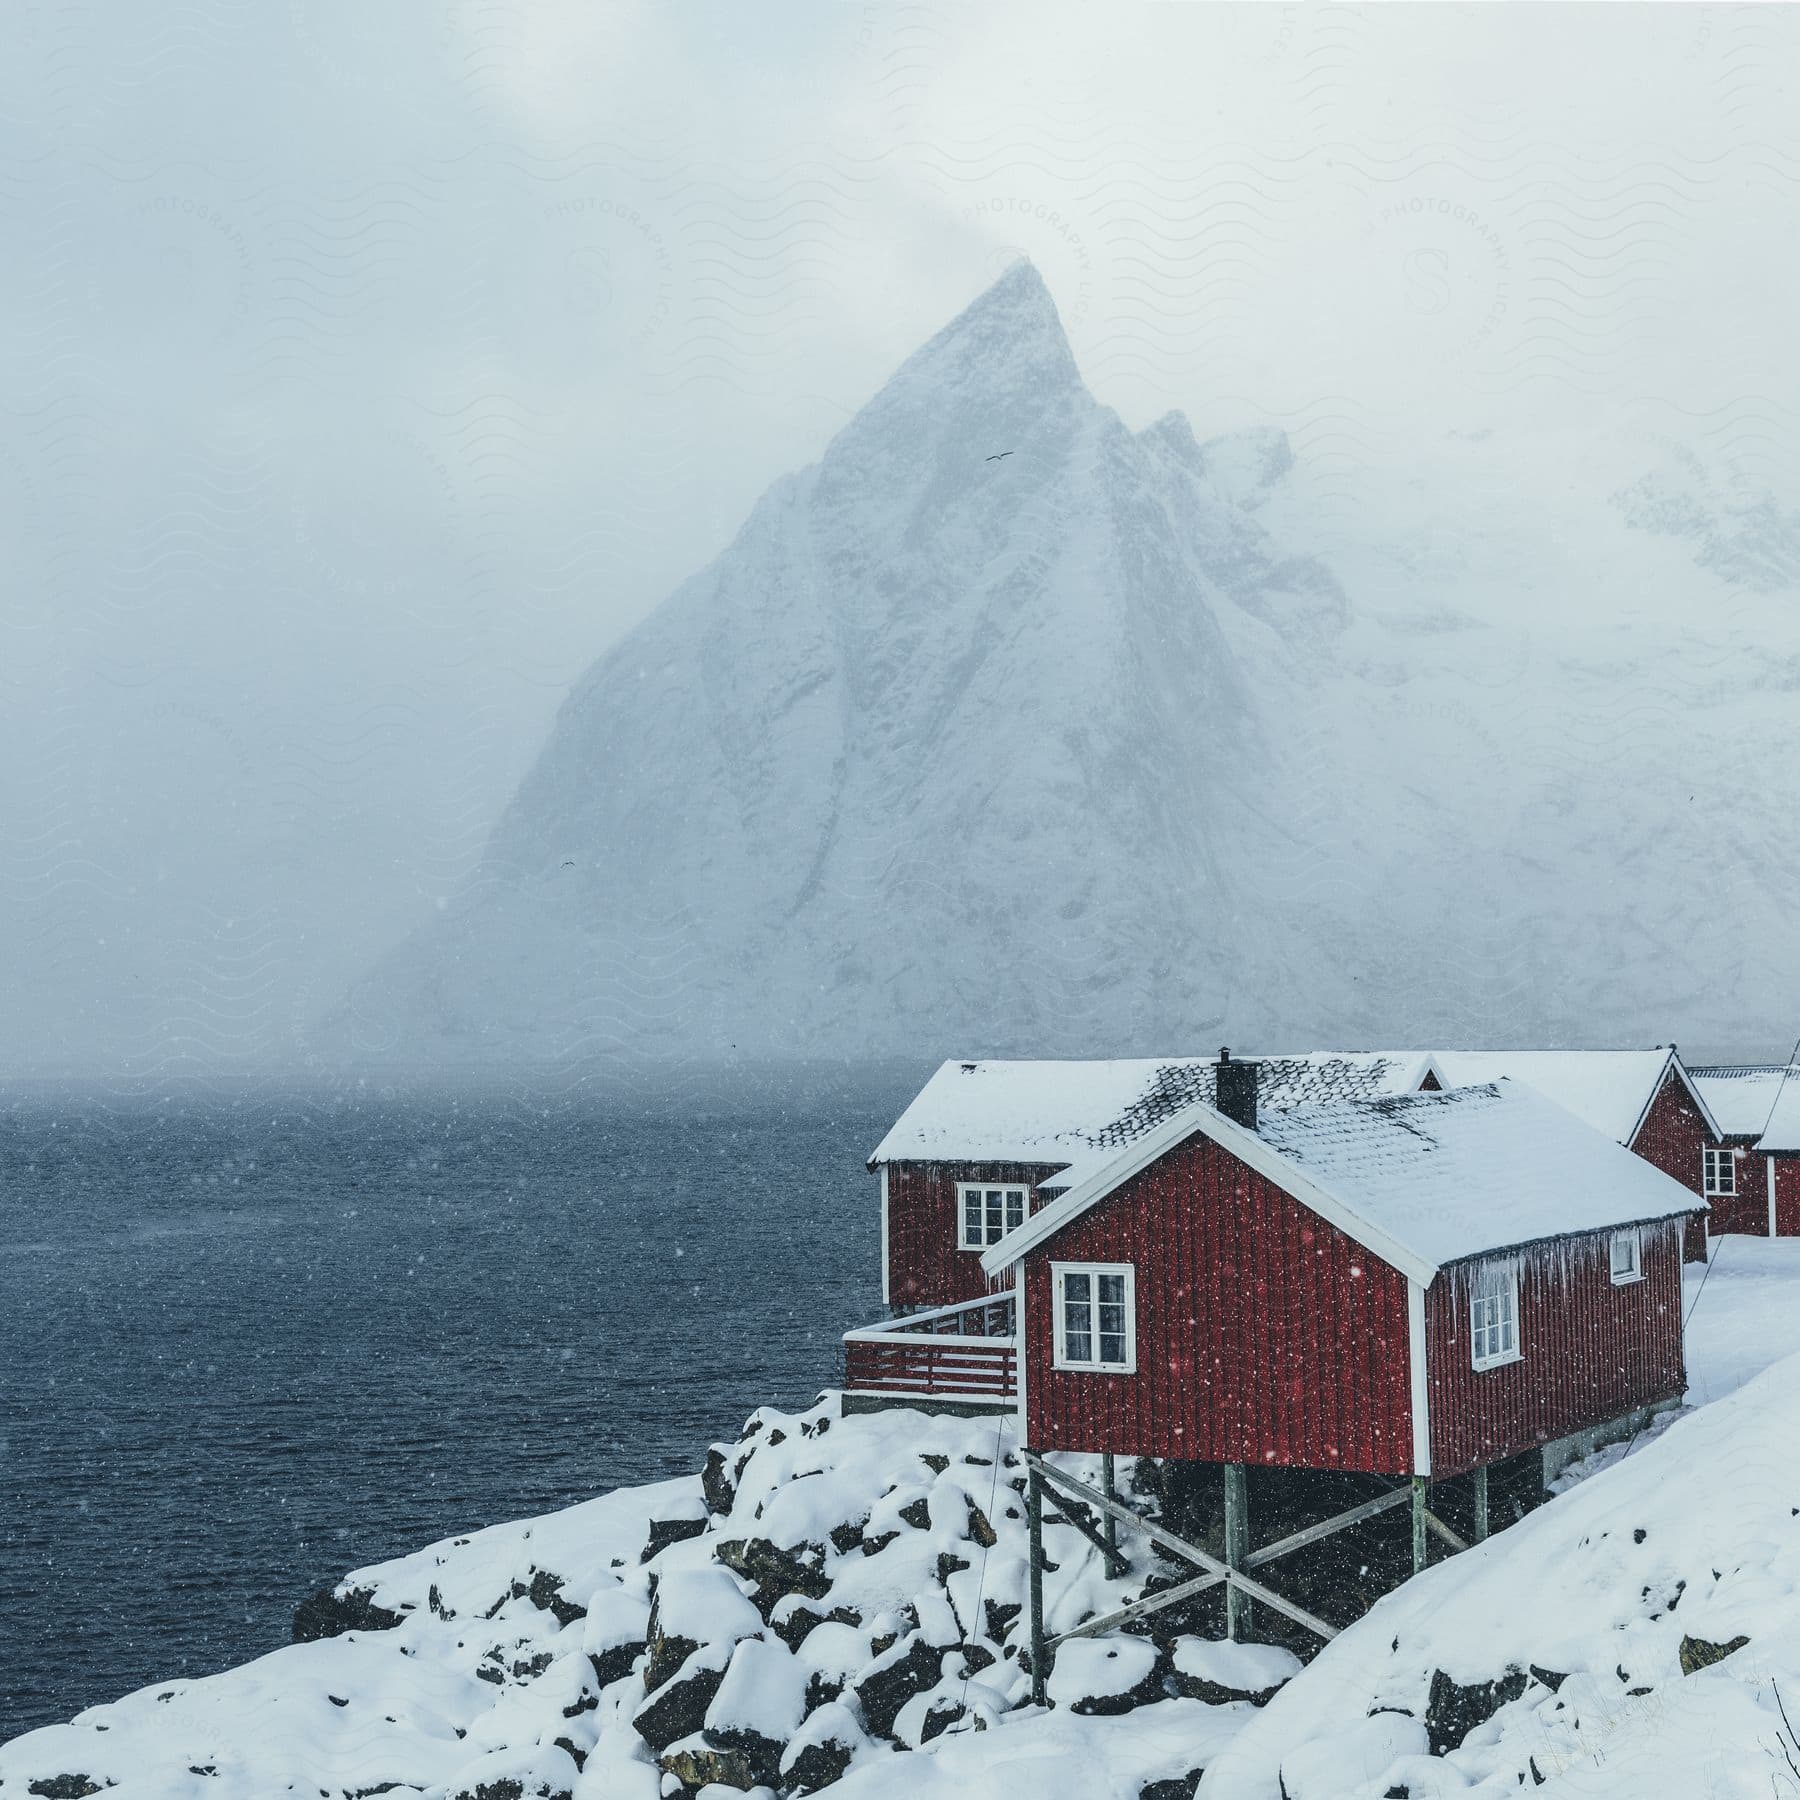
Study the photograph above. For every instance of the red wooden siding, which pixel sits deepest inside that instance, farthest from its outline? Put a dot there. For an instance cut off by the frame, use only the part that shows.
(1787, 1195)
(1671, 1137)
(1748, 1209)
(1264, 1334)
(1592, 1351)
(925, 1265)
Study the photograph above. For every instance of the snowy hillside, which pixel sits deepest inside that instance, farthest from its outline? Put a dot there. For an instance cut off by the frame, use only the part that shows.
(1638, 1637)
(1006, 729)
(837, 1603)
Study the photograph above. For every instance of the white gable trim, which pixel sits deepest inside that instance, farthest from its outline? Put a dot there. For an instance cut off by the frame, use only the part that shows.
(885, 1300)
(1421, 1387)
(1248, 1148)
(1019, 1351)
(1673, 1061)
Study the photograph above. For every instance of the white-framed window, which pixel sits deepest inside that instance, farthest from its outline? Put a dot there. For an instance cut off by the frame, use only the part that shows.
(1718, 1171)
(1494, 1320)
(1096, 1316)
(1627, 1256)
(988, 1210)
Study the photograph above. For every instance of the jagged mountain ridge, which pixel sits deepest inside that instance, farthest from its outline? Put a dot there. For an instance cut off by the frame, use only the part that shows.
(1063, 751)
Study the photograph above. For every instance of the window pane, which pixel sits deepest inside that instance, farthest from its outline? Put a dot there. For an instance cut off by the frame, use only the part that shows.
(1078, 1338)
(1112, 1346)
(1015, 1208)
(971, 1215)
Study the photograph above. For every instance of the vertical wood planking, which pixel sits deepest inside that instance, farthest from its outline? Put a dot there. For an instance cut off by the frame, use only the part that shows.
(1671, 1138)
(1264, 1334)
(926, 1264)
(1591, 1351)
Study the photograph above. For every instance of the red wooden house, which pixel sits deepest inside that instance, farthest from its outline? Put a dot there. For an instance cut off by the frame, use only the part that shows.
(968, 1159)
(1644, 1099)
(979, 1151)
(1753, 1186)
(1417, 1285)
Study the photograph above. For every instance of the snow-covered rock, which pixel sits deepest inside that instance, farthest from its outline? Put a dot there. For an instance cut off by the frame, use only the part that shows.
(856, 1600)
(1218, 1670)
(1106, 1675)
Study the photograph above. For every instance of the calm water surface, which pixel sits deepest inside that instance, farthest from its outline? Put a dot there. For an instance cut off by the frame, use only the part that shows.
(247, 1345)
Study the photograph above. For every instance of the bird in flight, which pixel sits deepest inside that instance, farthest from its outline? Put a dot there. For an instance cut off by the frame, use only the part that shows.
(1003, 453)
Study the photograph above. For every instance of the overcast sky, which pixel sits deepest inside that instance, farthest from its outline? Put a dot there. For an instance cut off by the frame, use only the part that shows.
(366, 370)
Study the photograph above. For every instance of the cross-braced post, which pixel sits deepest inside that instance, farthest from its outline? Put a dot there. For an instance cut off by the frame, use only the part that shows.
(1481, 1503)
(1418, 1523)
(1215, 1572)
(1237, 1548)
(1034, 1514)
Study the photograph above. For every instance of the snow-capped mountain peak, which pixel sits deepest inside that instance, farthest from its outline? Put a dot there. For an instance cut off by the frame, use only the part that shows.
(1004, 729)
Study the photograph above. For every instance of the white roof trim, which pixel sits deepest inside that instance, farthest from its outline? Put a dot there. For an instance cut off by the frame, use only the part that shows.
(1694, 1093)
(1248, 1148)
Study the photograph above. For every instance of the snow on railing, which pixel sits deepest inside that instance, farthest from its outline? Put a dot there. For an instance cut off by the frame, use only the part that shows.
(990, 1317)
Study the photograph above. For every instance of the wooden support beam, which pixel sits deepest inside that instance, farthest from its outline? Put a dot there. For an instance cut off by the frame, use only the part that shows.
(1034, 1514)
(1434, 1524)
(1327, 1527)
(1418, 1524)
(1201, 1559)
(1072, 1513)
(1481, 1504)
(1058, 1482)
(1137, 1609)
(1237, 1549)
(1115, 1563)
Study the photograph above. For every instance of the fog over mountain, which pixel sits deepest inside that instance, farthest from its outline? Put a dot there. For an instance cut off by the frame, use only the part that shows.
(1005, 729)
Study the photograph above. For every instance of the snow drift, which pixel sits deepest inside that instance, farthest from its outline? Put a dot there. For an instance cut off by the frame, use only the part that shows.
(1638, 1637)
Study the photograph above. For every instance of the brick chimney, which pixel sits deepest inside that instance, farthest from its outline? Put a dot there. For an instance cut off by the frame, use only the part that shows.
(1237, 1090)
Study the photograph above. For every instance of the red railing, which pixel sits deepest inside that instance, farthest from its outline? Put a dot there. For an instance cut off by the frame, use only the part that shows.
(950, 1353)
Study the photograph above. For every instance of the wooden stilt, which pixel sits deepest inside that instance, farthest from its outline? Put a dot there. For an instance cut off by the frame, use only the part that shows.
(1115, 1563)
(1481, 1504)
(1034, 1514)
(1237, 1548)
(1418, 1523)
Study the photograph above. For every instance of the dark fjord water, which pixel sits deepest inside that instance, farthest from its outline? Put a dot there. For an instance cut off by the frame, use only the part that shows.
(246, 1346)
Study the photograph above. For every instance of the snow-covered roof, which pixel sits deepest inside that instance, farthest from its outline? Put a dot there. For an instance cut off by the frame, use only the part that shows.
(1610, 1090)
(1740, 1095)
(1059, 1113)
(1781, 1136)
(1420, 1179)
